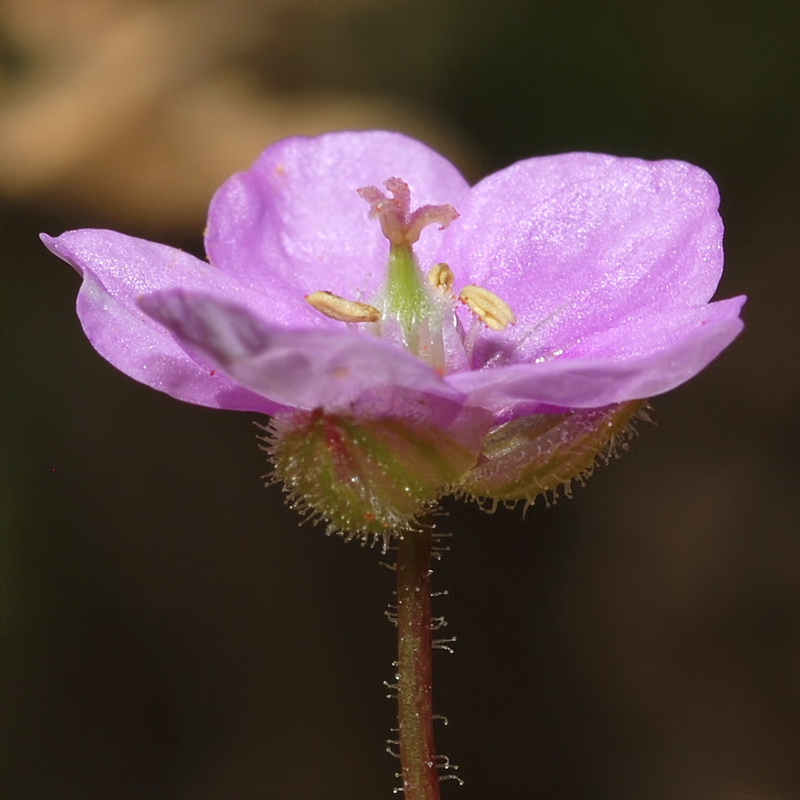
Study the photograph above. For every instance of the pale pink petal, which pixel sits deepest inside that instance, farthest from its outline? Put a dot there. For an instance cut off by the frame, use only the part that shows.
(305, 369)
(578, 243)
(117, 269)
(635, 361)
(295, 219)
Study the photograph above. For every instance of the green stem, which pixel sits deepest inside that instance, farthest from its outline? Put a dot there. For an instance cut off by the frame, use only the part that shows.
(414, 692)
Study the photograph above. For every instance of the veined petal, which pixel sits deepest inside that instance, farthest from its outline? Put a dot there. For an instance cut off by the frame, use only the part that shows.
(305, 369)
(116, 269)
(295, 218)
(578, 243)
(654, 333)
(634, 361)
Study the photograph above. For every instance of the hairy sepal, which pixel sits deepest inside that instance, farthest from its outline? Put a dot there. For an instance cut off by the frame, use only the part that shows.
(364, 478)
(534, 456)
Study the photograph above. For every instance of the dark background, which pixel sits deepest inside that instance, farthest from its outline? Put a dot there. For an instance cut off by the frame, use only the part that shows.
(169, 632)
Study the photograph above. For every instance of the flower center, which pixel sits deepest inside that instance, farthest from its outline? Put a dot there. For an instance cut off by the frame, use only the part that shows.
(411, 309)
(407, 297)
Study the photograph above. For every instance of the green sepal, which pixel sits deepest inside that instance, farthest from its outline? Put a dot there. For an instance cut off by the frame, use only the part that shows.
(533, 456)
(364, 478)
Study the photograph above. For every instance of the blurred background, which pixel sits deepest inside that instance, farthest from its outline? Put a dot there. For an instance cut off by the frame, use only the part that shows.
(167, 629)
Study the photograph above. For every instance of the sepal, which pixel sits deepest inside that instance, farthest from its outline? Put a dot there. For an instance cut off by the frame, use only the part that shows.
(534, 456)
(366, 478)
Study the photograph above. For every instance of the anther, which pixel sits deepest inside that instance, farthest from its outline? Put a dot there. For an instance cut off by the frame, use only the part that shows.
(335, 307)
(488, 307)
(441, 277)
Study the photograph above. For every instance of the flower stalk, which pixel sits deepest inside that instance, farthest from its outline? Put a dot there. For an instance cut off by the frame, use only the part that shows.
(414, 684)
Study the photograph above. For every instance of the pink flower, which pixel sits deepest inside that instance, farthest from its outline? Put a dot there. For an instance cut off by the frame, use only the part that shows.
(603, 269)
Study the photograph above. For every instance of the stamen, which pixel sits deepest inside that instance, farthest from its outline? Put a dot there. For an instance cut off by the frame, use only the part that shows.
(342, 310)
(488, 307)
(441, 277)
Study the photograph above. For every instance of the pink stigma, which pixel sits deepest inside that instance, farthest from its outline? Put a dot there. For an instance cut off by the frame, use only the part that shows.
(399, 224)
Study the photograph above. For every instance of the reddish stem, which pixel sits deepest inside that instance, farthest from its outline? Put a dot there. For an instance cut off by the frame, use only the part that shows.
(414, 693)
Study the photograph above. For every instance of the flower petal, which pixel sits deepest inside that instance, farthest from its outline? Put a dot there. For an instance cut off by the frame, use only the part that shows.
(295, 219)
(627, 363)
(116, 269)
(305, 369)
(580, 242)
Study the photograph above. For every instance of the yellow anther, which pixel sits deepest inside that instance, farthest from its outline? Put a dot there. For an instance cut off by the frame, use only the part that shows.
(441, 277)
(335, 307)
(488, 307)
